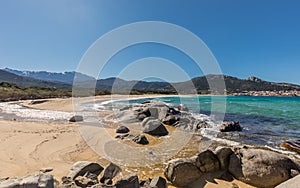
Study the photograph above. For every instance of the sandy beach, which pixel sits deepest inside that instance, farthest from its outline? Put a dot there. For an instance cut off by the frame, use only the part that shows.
(26, 147)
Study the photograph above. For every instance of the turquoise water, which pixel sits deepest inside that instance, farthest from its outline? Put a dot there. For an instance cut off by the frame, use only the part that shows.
(265, 120)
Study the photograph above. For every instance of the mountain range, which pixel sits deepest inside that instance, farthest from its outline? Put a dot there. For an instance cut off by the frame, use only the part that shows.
(65, 80)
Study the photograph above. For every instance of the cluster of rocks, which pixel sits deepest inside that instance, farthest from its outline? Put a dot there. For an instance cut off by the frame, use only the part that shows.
(154, 116)
(84, 174)
(257, 167)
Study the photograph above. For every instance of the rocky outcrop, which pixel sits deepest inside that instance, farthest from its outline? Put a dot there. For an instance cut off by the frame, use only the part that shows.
(110, 171)
(257, 167)
(182, 172)
(154, 127)
(76, 118)
(32, 181)
(206, 162)
(131, 181)
(230, 126)
(223, 154)
(261, 168)
(80, 168)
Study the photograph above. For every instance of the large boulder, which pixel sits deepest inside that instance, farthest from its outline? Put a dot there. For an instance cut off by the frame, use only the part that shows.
(80, 168)
(126, 116)
(207, 161)
(230, 126)
(261, 168)
(110, 171)
(158, 182)
(182, 172)
(223, 154)
(154, 127)
(33, 181)
(131, 181)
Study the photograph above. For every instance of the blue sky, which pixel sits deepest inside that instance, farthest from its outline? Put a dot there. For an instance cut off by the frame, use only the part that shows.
(247, 37)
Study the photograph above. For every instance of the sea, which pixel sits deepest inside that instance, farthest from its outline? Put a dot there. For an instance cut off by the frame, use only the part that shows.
(265, 120)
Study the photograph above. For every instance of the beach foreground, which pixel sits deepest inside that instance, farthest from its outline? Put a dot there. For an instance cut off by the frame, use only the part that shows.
(27, 147)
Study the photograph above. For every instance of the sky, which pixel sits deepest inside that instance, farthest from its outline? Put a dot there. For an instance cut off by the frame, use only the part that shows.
(247, 37)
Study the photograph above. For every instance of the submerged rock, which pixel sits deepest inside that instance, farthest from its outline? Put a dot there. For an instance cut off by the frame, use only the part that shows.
(261, 168)
(154, 127)
(230, 126)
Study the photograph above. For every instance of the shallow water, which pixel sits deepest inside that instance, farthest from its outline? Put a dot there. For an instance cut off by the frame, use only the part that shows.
(266, 121)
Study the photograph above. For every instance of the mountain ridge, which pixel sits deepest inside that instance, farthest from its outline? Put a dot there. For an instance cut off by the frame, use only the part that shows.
(233, 84)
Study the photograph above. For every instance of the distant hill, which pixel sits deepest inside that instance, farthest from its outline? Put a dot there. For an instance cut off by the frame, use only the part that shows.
(233, 84)
(23, 81)
(236, 85)
(65, 77)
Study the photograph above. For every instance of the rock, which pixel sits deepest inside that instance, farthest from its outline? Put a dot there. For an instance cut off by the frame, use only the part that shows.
(159, 112)
(141, 116)
(108, 182)
(83, 181)
(110, 171)
(126, 116)
(131, 181)
(291, 183)
(140, 139)
(173, 111)
(76, 118)
(182, 172)
(154, 127)
(122, 136)
(292, 145)
(82, 167)
(47, 169)
(260, 168)
(67, 181)
(223, 155)
(158, 182)
(207, 161)
(171, 120)
(32, 181)
(145, 183)
(122, 129)
(182, 107)
(230, 126)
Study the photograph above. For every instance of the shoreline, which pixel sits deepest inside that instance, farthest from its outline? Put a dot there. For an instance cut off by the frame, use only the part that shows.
(34, 155)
